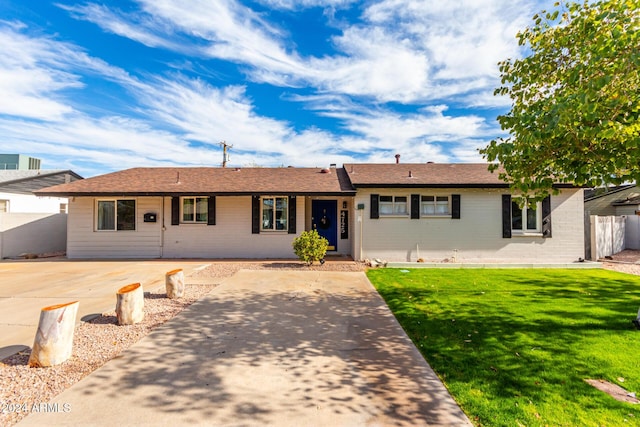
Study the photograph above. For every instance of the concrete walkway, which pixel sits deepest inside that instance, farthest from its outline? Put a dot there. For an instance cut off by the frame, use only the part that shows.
(28, 286)
(276, 348)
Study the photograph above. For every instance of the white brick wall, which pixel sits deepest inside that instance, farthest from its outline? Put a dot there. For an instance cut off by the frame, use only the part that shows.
(231, 237)
(476, 236)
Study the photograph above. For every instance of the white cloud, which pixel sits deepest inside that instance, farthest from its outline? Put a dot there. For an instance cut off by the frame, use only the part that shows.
(466, 151)
(23, 82)
(416, 51)
(196, 115)
(228, 30)
(305, 4)
(133, 27)
(464, 40)
(375, 64)
(401, 50)
(38, 73)
(210, 115)
(426, 135)
(113, 142)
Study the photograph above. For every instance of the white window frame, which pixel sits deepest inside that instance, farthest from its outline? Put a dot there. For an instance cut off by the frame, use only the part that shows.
(5, 204)
(283, 221)
(115, 214)
(526, 230)
(195, 199)
(397, 206)
(435, 204)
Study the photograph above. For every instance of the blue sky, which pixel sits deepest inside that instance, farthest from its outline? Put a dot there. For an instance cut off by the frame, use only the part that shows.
(104, 86)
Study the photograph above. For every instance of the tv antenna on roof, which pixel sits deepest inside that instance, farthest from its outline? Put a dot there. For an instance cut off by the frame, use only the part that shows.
(225, 153)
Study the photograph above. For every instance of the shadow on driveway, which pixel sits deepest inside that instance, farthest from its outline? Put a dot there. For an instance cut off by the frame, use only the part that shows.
(269, 348)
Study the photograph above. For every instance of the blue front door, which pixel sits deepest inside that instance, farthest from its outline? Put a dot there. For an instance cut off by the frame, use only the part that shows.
(324, 219)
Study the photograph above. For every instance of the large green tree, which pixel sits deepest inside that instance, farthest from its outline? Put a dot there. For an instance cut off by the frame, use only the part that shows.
(575, 97)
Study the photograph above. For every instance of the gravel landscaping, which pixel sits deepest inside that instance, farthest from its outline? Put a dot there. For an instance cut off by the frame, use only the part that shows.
(101, 339)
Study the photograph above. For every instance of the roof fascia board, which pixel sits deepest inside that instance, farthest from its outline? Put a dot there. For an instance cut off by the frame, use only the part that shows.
(449, 186)
(191, 193)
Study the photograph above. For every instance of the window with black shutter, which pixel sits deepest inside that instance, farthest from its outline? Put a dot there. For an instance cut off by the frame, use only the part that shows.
(211, 211)
(292, 214)
(546, 217)
(175, 210)
(375, 206)
(455, 206)
(506, 216)
(415, 206)
(255, 214)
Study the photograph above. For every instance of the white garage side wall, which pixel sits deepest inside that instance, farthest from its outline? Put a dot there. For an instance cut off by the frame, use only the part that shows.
(25, 203)
(231, 237)
(36, 233)
(83, 241)
(475, 237)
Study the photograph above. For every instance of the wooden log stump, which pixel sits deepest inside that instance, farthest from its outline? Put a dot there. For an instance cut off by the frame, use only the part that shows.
(53, 343)
(175, 283)
(130, 304)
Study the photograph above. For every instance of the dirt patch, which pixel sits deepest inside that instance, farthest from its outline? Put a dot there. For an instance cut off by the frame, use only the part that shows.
(630, 256)
(627, 261)
(614, 391)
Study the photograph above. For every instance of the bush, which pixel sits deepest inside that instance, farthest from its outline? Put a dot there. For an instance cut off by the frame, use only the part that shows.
(310, 246)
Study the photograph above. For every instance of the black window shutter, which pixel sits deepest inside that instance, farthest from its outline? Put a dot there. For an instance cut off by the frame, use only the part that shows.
(415, 206)
(175, 210)
(255, 214)
(546, 217)
(375, 206)
(455, 206)
(292, 215)
(506, 216)
(211, 211)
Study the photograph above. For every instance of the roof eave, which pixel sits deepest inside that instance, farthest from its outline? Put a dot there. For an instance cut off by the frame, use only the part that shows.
(194, 193)
(452, 185)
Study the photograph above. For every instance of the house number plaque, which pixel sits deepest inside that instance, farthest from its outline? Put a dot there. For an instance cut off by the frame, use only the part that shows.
(344, 224)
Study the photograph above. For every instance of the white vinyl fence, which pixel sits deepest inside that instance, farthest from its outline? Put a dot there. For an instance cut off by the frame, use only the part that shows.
(613, 234)
(32, 233)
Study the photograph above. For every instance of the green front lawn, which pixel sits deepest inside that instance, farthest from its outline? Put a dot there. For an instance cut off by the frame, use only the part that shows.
(515, 346)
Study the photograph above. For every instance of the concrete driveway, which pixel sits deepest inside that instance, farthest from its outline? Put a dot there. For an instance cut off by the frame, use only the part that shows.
(28, 286)
(277, 348)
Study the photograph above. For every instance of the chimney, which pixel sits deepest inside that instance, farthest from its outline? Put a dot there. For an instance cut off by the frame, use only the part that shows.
(397, 158)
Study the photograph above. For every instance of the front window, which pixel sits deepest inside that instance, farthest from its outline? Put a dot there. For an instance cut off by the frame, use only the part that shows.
(4, 206)
(275, 213)
(115, 215)
(393, 205)
(194, 209)
(525, 218)
(434, 205)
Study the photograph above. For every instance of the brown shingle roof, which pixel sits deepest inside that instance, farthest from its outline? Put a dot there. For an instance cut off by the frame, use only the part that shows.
(229, 181)
(422, 174)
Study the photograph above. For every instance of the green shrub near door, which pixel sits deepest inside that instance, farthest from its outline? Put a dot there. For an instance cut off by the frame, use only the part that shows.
(310, 246)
